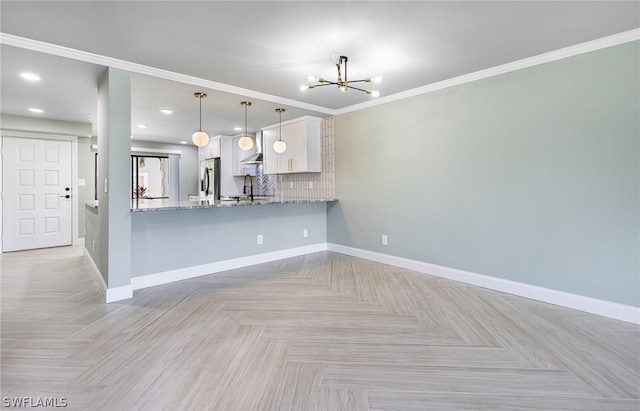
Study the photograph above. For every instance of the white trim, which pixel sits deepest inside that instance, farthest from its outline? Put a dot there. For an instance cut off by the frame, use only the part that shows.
(166, 277)
(147, 150)
(110, 294)
(123, 292)
(75, 224)
(609, 41)
(577, 302)
(79, 55)
(96, 272)
(154, 150)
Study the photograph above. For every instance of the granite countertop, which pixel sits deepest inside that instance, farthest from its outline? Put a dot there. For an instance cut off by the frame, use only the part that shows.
(165, 205)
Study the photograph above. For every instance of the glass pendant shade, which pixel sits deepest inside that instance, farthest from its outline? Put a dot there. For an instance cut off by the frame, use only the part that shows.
(245, 142)
(279, 146)
(200, 138)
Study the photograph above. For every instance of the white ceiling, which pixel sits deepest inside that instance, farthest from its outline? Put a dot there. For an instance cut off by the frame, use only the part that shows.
(266, 49)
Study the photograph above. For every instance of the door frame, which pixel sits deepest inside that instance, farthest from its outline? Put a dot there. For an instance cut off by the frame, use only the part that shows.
(74, 174)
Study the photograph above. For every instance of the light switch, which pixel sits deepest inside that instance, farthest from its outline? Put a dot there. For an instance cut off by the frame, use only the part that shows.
(81, 182)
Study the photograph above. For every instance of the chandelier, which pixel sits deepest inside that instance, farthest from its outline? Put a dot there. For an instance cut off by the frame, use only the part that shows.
(343, 84)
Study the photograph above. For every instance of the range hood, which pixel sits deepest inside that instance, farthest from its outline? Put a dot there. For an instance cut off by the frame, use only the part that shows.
(257, 156)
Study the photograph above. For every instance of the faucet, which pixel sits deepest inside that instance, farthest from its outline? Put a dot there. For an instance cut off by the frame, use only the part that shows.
(244, 189)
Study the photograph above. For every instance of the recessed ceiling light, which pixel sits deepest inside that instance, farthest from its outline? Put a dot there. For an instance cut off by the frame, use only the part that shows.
(183, 142)
(237, 128)
(141, 126)
(30, 76)
(166, 111)
(36, 110)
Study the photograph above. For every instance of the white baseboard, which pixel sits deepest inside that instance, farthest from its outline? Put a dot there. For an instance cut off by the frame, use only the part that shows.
(577, 302)
(96, 272)
(123, 292)
(110, 294)
(165, 277)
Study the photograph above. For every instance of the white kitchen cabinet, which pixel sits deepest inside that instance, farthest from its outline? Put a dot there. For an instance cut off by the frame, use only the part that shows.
(302, 137)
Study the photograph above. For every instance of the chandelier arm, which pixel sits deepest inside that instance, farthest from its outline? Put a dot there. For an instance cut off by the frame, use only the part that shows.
(359, 81)
(356, 88)
(325, 83)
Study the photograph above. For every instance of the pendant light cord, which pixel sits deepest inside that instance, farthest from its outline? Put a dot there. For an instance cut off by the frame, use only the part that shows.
(200, 98)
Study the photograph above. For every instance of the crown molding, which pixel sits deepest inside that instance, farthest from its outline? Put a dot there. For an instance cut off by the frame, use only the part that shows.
(48, 48)
(604, 42)
(53, 49)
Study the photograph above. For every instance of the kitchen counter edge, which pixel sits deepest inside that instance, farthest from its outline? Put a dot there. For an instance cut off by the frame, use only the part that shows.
(192, 205)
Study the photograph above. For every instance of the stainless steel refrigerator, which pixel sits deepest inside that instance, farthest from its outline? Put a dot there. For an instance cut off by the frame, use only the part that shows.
(210, 177)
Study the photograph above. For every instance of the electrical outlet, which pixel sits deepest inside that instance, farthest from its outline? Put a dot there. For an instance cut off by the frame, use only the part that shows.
(310, 184)
(305, 233)
(385, 240)
(93, 246)
(260, 239)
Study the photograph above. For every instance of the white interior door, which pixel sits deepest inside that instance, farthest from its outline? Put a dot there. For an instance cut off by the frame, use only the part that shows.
(36, 193)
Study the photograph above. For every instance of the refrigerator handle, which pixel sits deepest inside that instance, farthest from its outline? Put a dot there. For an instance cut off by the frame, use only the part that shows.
(206, 181)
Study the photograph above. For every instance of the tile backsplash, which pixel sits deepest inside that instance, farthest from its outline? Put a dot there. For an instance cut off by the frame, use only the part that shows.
(311, 185)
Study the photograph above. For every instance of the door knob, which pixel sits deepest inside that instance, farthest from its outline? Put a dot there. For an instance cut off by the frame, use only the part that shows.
(66, 196)
(67, 189)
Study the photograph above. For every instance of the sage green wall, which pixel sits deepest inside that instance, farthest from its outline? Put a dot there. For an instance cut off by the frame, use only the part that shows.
(530, 176)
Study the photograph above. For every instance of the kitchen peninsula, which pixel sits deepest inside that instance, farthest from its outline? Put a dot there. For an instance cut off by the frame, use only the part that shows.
(175, 240)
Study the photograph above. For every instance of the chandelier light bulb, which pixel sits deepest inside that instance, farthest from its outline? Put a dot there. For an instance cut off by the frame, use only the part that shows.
(376, 79)
(303, 87)
(375, 93)
(312, 78)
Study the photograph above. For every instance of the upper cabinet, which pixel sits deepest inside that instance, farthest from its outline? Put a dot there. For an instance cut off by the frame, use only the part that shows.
(302, 155)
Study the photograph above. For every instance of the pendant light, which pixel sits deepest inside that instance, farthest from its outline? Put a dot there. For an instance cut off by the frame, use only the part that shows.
(280, 146)
(245, 141)
(200, 138)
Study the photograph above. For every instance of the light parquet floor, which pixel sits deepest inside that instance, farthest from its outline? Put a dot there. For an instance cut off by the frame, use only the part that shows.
(318, 332)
